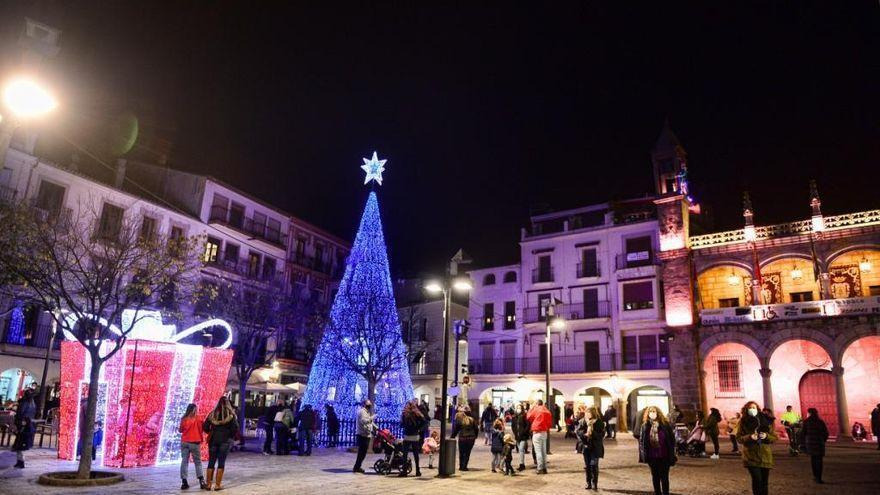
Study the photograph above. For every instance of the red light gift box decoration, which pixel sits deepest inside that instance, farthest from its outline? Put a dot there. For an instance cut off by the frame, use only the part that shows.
(143, 392)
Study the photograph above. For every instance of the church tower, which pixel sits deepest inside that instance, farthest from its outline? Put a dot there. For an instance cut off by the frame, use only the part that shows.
(670, 164)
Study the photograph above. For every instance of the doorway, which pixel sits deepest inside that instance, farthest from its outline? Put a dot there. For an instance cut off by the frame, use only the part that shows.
(818, 389)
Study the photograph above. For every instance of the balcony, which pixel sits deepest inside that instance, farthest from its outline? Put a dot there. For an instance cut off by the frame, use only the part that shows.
(232, 218)
(588, 270)
(317, 265)
(577, 311)
(427, 368)
(541, 276)
(760, 313)
(562, 364)
(242, 267)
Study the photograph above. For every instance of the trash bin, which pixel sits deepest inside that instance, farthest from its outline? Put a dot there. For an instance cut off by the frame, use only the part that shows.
(449, 448)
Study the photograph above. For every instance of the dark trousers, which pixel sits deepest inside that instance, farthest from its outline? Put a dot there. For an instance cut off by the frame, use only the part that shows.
(281, 432)
(217, 453)
(270, 434)
(508, 465)
(611, 431)
(415, 448)
(464, 452)
(816, 462)
(734, 442)
(760, 480)
(332, 438)
(660, 476)
(363, 445)
(714, 438)
(305, 442)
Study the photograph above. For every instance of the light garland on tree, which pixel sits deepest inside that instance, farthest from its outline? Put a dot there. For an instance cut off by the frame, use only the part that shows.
(15, 335)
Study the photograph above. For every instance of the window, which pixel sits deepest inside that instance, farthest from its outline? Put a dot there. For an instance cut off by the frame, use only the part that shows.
(422, 333)
(638, 295)
(230, 256)
(269, 268)
(510, 277)
(592, 360)
(543, 303)
(319, 256)
(591, 303)
(175, 239)
(545, 271)
(212, 248)
(50, 197)
(874, 290)
(801, 296)
(638, 251)
(648, 352)
(510, 315)
(110, 223)
(253, 264)
(236, 215)
(489, 279)
(148, 229)
(729, 302)
(219, 207)
(176, 233)
(630, 350)
(589, 266)
(489, 316)
(273, 230)
(258, 226)
(728, 379)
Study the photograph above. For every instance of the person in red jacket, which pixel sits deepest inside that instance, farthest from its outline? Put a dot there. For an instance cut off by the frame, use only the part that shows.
(540, 419)
(191, 444)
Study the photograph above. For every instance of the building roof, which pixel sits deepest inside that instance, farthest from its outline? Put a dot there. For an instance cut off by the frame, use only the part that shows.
(667, 138)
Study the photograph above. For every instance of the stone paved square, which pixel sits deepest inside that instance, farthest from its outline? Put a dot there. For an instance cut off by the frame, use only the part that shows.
(849, 469)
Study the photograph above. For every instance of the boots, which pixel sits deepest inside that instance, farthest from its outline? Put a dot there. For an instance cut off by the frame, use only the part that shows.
(202, 484)
(184, 485)
(595, 470)
(589, 471)
(209, 479)
(219, 485)
(19, 464)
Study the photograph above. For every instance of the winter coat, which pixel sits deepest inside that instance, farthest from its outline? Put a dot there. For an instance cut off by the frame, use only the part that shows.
(710, 426)
(497, 441)
(540, 419)
(305, 420)
(595, 443)
(489, 415)
(286, 417)
(645, 442)
(507, 452)
(220, 430)
(464, 427)
(875, 421)
(413, 424)
(520, 427)
(430, 446)
(756, 453)
(364, 422)
(269, 415)
(332, 422)
(815, 434)
(24, 424)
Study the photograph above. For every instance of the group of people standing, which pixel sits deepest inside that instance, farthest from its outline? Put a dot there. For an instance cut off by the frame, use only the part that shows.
(290, 427)
(221, 427)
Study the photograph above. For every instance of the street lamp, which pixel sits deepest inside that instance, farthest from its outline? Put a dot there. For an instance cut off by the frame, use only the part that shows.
(553, 322)
(459, 284)
(23, 99)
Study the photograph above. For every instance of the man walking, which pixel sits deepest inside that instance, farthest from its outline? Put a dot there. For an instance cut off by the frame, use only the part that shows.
(365, 419)
(875, 424)
(540, 419)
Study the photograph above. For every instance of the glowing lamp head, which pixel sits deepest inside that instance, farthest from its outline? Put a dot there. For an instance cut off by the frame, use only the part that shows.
(27, 99)
(796, 273)
(462, 284)
(865, 265)
(557, 323)
(733, 280)
(434, 287)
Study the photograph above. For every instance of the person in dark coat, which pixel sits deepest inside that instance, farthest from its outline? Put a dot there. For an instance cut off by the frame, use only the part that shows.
(466, 429)
(875, 424)
(657, 447)
(522, 433)
(815, 434)
(269, 425)
(413, 422)
(305, 423)
(24, 426)
(487, 419)
(710, 426)
(755, 434)
(332, 425)
(221, 426)
(591, 434)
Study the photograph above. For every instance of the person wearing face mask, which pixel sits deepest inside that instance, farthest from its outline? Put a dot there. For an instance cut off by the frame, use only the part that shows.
(590, 434)
(755, 434)
(521, 433)
(657, 448)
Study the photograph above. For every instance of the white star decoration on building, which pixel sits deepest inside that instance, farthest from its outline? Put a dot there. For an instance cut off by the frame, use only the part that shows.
(374, 168)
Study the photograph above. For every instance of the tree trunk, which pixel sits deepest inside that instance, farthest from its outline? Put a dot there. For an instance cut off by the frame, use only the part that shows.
(371, 391)
(242, 390)
(87, 431)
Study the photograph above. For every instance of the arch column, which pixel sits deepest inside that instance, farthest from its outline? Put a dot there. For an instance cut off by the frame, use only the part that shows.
(768, 388)
(622, 415)
(842, 412)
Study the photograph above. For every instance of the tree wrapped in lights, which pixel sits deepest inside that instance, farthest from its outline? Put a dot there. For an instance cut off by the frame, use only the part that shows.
(362, 354)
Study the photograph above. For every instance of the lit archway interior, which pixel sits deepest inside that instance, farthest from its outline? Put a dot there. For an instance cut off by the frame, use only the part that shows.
(861, 365)
(855, 274)
(13, 382)
(789, 280)
(647, 396)
(593, 396)
(722, 286)
(789, 362)
(732, 377)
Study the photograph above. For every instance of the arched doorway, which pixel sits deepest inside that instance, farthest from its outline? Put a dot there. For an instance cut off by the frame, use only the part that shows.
(861, 364)
(789, 363)
(593, 396)
(13, 382)
(818, 389)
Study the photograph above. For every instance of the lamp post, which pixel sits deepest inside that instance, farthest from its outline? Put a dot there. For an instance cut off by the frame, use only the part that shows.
(558, 323)
(23, 99)
(41, 405)
(445, 287)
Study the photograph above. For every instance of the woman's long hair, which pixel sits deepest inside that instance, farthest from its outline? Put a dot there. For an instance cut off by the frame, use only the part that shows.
(411, 410)
(660, 417)
(749, 422)
(190, 411)
(223, 412)
(594, 412)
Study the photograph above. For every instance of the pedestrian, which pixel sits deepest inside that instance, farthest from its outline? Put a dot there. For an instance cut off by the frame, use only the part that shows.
(540, 420)
(732, 424)
(487, 419)
(875, 425)
(413, 422)
(222, 427)
(365, 418)
(755, 434)
(521, 433)
(269, 426)
(466, 429)
(431, 446)
(657, 448)
(332, 425)
(497, 446)
(568, 414)
(554, 409)
(610, 419)
(305, 423)
(591, 434)
(815, 434)
(191, 445)
(507, 454)
(25, 412)
(282, 423)
(710, 426)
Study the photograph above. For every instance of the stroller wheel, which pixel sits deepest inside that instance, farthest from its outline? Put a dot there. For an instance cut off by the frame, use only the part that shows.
(379, 466)
(406, 468)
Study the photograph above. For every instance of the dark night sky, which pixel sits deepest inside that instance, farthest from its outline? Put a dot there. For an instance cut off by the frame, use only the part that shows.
(484, 111)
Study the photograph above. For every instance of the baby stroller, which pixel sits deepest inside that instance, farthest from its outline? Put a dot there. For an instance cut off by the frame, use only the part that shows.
(395, 459)
(696, 442)
(681, 438)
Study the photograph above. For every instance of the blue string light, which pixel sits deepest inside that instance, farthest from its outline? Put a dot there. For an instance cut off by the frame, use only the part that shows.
(15, 335)
(364, 309)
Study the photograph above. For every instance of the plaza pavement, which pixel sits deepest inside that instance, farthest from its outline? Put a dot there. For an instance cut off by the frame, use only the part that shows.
(850, 469)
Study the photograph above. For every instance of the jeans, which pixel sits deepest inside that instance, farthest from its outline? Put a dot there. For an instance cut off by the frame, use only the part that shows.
(816, 463)
(487, 430)
(363, 445)
(496, 461)
(270, 430)
(590, 459)
(414, 447)
(760, 480)
(305, 442)
(464, 450)
(539, 442)
(194, 449)
(523, 446)
(611, 431)
(217, 453)
(734, 442)
(660, 475)
(332, 438)
(281, 439)
(714, 439)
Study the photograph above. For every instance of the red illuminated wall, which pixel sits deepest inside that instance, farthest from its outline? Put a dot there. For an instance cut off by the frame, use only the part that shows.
(751, 385)
(861, 365)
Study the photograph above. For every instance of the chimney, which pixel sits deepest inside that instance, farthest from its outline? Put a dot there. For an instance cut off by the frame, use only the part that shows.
(120, 173)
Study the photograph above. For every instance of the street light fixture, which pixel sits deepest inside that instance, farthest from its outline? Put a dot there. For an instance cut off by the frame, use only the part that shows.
(27, 99)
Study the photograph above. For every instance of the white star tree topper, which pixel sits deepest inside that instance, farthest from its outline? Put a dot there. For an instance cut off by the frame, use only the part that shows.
(374, 168)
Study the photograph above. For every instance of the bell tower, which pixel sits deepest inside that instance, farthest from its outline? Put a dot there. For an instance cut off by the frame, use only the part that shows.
(670, 164)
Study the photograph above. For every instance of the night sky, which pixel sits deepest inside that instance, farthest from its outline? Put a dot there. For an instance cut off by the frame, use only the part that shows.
(488, 111)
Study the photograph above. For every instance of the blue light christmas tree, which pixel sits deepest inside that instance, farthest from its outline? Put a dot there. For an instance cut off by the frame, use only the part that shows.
(362, 354)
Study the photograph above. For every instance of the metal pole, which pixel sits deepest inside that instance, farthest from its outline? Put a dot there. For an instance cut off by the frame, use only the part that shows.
(444, 401)
(547, 390)
(42, 403)
(455, 375)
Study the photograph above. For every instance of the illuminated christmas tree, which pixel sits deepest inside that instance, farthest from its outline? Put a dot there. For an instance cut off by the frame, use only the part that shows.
(362, 354)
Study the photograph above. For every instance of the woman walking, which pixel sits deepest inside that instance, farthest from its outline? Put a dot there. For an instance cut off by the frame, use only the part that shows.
(591, 434)
(712, 431)
(815, 435)
(755, 434)
(191, 445)
(732, 424)
(466, 429)
(497, 444)
(488, 419)
(413, 422)
(657, 448)
(521, 433)
(221, 426)
(24, 426)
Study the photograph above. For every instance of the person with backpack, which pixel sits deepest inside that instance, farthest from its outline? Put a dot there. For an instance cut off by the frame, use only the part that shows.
(466, 429)
(815, 434)
(591, 434)
(497, 444)
(222, 428)
(191, 434)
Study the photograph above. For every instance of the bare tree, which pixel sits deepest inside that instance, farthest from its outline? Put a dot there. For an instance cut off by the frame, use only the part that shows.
(86, 268)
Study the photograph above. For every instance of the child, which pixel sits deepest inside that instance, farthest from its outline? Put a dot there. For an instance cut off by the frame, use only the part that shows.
(97, 438)
(431, 447)
(507, 454)
(497, 444)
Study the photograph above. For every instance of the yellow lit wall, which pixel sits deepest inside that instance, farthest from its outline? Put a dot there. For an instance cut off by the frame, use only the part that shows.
(714, 284)
(806, 283)
(854, 258)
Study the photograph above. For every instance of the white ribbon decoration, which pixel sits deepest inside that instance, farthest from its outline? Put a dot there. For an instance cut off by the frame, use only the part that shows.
(72, 319)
